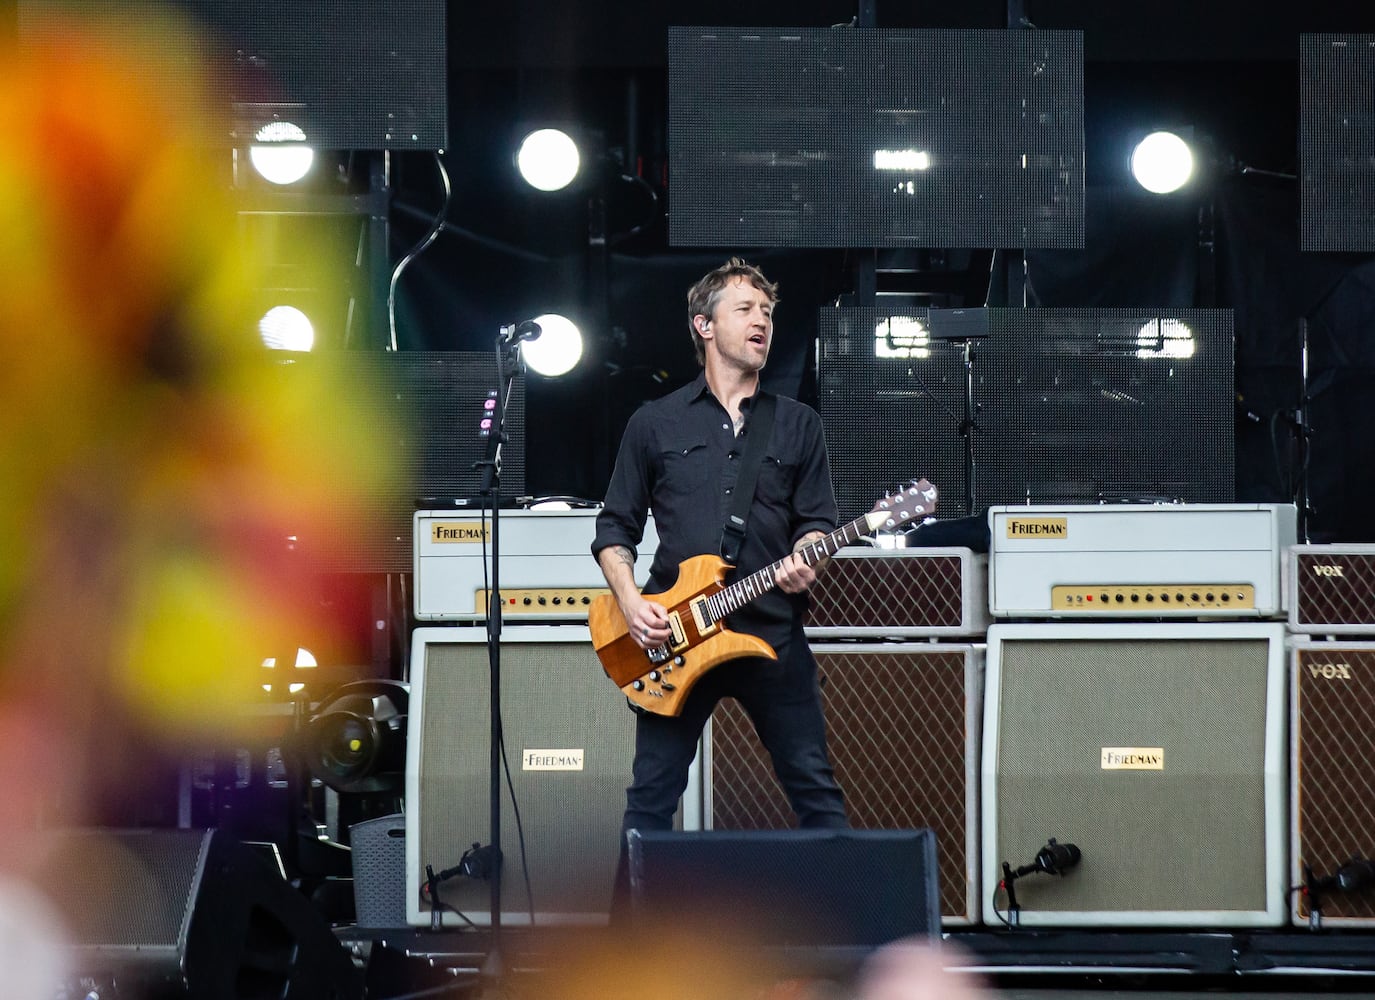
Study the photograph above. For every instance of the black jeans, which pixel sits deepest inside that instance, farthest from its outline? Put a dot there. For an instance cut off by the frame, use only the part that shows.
(782, 699)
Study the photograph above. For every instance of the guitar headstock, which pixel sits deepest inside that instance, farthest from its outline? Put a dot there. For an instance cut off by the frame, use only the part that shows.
(903, 508)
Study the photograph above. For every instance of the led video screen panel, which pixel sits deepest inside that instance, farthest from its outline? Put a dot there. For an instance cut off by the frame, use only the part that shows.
(875, 138)
(1069, 405)
(1337, 142)
(363, 76)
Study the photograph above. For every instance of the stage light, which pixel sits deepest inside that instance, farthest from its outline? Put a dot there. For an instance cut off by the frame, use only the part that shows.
(1162, 162)
(286, 328)
(548, 159)
(901, 337)
(1165, 338)
(305, 660)
(356, 741)
(902, 159)
(279, 153)
(558, 347)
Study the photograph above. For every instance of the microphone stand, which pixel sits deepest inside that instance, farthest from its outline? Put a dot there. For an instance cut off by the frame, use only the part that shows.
(1304, 433)
(969, 425)
(507, 352)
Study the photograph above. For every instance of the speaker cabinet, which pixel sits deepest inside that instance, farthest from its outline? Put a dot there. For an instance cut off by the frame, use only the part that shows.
(569, 741)
(1332, 589)
(189, 913)
(1158, 751)
(903, 730)
(890, 593)
(815, 889)
(1332, 800)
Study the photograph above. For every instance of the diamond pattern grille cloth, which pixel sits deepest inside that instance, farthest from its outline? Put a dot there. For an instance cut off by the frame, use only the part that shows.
(896, 729)
(1335, 797)
(901, 592)
(1343, 595)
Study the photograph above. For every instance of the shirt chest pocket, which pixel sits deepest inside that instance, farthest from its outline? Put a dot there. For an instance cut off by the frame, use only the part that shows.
(683, 468)
(777, 478)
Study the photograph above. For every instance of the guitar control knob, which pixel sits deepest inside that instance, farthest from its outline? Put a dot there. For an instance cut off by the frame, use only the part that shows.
(654, 675)
(669, 687)
(638, 685)
(677, 661)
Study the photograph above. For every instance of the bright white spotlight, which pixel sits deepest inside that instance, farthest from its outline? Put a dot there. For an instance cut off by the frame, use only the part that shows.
(902, 159)
(1162, 162)
(286, 328)
(1165, 338)
(305, 660)
(901, 337)
(548, 159)
(558, 347)
(279, 153)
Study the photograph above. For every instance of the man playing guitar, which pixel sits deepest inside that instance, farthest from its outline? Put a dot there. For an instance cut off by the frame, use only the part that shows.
(681, 458)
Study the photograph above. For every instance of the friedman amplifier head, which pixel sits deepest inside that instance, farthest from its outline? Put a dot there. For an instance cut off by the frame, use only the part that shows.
(1110, 561)
(547, 570)
(1332, 589)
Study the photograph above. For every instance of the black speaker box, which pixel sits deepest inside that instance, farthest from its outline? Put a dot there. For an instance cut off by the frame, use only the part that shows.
(190, 913)
(828, 889)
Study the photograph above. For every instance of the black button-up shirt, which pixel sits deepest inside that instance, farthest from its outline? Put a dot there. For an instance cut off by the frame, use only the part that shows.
(680, 458)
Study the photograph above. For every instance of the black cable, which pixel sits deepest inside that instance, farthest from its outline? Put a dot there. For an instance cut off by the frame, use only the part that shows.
(651, 217)
(419, 248)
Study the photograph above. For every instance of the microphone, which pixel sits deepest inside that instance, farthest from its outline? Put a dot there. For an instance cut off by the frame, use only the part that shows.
(1355, 875)
(528, 330)
(1056, 859)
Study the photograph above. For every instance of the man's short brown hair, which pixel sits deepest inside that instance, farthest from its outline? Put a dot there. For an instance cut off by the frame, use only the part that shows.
(703, 297)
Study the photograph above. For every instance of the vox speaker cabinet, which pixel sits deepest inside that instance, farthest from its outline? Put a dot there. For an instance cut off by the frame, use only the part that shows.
(1332, 798)
(569, 738)
(900, 593)
(902, 724)
(1332, 589)
(1157, 751)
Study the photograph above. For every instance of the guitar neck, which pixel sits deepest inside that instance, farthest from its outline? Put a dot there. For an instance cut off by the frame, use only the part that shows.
(759, 583)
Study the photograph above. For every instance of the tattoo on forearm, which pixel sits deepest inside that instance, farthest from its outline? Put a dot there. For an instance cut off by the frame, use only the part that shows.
(624, 555)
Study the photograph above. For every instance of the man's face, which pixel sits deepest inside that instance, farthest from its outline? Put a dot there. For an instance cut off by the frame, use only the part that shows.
(741, 330)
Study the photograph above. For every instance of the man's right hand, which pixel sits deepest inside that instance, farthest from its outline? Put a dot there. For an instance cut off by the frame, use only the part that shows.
(647, 621)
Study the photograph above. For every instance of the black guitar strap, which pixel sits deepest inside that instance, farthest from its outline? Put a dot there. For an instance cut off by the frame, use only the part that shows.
(757, 433)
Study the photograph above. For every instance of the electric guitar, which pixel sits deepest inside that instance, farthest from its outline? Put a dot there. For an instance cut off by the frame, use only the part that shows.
(658, 679)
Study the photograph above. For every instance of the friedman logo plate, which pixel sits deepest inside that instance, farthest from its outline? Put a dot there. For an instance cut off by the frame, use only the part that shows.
(1037, 527)
(1133, 759)
(551, 760)
(458, 532)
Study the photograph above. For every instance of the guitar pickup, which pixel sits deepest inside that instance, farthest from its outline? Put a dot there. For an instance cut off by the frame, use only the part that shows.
(677, 638)
(705, 626)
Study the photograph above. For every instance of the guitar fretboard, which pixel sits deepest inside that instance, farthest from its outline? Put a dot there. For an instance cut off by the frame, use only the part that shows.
(759, 583)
